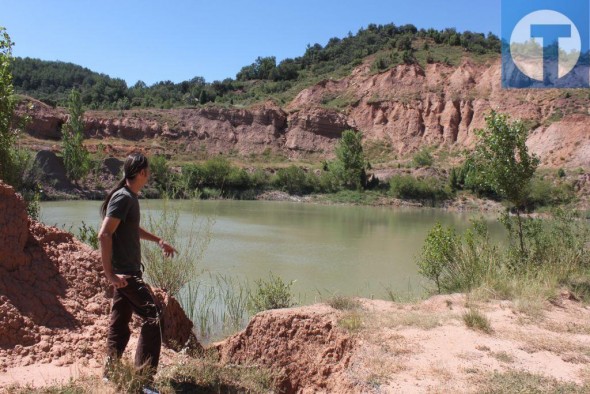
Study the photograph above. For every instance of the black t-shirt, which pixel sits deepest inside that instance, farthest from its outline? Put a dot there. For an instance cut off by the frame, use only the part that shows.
(126, 247)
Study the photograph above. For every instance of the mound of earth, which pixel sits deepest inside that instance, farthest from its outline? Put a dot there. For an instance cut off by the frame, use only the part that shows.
(54, 299)
(305, 347)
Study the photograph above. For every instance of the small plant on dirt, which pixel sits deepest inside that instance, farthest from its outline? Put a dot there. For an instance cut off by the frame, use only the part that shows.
(477, 321)
(343, 303)
(352, 321)
(88, 235)
(271, 293)
(423, 158)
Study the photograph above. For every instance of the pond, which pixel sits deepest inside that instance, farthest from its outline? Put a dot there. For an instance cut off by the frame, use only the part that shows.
(325, 249)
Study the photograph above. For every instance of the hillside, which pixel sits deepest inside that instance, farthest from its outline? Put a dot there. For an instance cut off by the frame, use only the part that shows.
(398, 111)
(50, 81)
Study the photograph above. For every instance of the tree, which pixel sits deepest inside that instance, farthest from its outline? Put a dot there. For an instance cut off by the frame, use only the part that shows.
(75, 155)
(507, 167)
(350, 162)
(7, 104)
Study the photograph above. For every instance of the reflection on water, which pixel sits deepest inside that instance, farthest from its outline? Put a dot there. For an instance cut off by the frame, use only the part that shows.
(347, 250)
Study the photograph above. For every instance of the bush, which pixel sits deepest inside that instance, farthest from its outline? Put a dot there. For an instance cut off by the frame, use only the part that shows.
(423, 158)
(556, 254)
(174, 273)
(477, 321)
(273, 293)
(88, 235)
(293, 180)
(161, 175)
(408, 187)
(544, 193)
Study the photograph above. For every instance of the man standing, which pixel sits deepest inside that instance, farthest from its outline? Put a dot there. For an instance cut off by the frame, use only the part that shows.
(120, 248)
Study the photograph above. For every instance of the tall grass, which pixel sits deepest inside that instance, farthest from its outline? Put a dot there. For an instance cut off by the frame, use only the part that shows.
(555, 255)
(174, 273)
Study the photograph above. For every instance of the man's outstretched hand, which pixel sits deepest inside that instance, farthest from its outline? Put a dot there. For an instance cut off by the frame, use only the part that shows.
(167, 249)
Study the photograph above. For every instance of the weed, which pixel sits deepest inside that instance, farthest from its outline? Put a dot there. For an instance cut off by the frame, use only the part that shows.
(515, 381)
(503, 357)
(352, 321)
(343, 303)
(477, 321)
(273, 293)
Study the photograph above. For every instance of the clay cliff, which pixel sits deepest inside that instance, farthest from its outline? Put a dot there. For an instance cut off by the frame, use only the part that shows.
(54, 299)
(406, 107)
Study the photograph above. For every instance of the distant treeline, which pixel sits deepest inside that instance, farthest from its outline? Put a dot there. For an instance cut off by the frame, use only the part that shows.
(51, 81)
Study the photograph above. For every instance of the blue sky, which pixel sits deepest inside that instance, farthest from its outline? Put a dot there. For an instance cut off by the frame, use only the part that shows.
(178, 40)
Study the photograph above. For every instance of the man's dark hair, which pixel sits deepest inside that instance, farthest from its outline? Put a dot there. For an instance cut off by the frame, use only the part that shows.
(134, 163)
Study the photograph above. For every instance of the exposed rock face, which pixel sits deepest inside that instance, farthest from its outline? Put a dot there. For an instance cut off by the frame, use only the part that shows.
(44, 122)
(54, 298)
(407, 106)
(304, 345)
(13, 230)
(52, 169)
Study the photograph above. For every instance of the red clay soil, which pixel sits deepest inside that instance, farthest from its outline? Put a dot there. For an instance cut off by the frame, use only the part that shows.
(304, 346)
(54, 299)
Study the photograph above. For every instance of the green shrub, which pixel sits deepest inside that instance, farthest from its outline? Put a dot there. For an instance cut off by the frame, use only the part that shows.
(273, 293)
(423, 158)
(544, 193)
(161, 175)
(88, 235)
(293, 180)
(216, 172)
(408, 187)
(174, 273)
(477, 321)
(343, 303)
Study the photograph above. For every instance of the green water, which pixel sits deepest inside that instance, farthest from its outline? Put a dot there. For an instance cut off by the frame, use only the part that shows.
(345, 250)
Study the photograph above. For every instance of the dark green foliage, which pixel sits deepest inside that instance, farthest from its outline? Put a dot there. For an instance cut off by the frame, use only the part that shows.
(75, 155)
(88, 235)
(507, 167)
(51, 81)
(293, 180)
(423, 158)
(273, 293)
(408, 187)
(161, 175)
(8, 134)
(16, 165)
(543, 193)
(350, 165)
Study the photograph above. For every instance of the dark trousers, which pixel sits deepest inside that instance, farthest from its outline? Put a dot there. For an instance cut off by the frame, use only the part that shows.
(135, 297)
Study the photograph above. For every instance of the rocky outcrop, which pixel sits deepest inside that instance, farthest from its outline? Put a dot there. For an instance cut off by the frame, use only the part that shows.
(40, 119)
(54, 298)
(408, 106)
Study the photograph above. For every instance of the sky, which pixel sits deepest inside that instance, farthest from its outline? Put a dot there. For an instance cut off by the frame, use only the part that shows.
(177, 40)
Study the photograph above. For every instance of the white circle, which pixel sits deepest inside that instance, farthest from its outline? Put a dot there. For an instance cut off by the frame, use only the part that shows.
(527, 52)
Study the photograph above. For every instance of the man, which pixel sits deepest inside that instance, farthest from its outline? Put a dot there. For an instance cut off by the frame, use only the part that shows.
(120, 248)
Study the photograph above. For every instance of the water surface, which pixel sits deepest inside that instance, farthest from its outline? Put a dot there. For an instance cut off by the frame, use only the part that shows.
(347, 250)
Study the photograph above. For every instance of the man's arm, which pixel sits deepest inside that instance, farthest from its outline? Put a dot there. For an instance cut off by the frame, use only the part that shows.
(167, 249)
(105, 235)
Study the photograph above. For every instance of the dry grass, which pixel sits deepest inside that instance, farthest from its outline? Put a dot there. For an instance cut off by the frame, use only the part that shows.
(475, 320)
(351, 321)
(422, 320)
(515, 381)
(343, 303)
(569, 351)
(503, 356)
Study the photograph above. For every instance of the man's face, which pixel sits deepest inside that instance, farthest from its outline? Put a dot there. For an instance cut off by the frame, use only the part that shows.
(145, 175)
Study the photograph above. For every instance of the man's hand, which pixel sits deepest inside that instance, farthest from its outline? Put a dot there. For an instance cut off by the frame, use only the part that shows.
(167, 249)
(118, 281)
